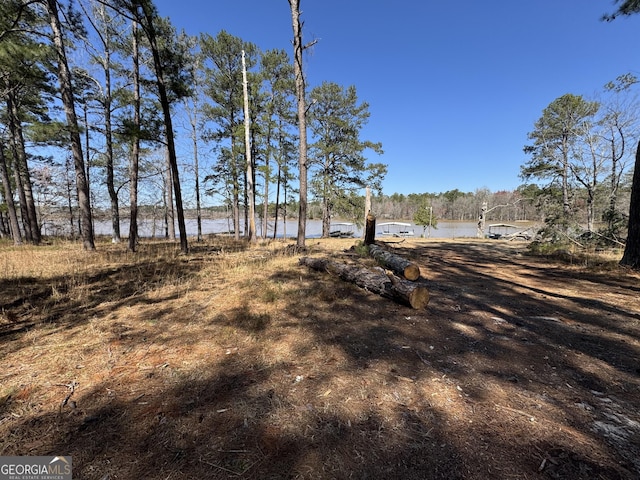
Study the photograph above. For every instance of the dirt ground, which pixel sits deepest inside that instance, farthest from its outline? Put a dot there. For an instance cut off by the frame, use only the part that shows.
(243, 364)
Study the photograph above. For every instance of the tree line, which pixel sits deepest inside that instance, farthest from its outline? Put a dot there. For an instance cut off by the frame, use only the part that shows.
(100, 96)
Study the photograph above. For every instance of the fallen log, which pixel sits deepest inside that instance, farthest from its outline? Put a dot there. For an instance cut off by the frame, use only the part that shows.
(376, 281)
(399, 265)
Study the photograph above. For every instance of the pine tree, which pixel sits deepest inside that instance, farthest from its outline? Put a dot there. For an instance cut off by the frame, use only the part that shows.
(338, 161)
(222, 58)
(68, 101)
(554, 137)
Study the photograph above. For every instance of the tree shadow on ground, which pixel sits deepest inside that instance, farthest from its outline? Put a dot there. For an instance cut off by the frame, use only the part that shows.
(233, 422)
(63, 302)
(499, 377)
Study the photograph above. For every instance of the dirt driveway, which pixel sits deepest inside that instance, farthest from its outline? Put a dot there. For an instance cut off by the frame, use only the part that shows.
(538, 361)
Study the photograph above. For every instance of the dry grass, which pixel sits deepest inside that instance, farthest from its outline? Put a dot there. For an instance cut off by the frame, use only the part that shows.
(234, 362)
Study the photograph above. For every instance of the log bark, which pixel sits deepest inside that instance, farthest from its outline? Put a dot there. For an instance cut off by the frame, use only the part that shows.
(399, 265)
(386, 285)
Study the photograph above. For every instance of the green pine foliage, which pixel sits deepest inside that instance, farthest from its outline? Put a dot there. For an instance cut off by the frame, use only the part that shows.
(425, 218)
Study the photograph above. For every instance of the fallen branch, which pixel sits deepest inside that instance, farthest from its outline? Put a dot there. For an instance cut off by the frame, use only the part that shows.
(379, 282)
(610, 239)
(399, 265)
(72, 388)
(519, 412)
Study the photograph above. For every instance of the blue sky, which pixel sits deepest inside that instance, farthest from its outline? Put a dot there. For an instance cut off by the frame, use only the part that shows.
(453, 87)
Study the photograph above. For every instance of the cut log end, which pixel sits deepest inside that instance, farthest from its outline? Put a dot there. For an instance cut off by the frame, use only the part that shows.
(419, 298)
(399, 265)
(411, 272)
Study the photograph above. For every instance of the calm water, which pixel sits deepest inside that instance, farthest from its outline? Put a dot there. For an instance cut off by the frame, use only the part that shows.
(314, 229)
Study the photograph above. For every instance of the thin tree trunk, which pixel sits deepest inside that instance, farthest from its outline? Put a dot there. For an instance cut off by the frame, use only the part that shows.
(277, 205)
(170, 216)
(66, 90)
(265, 200)
(284, 214)
(8, 197)
(302, 121)
(193, 119)
(235, 187)
(168, 123)
(254, 156)
(326, 218)
(105, 38)
(281, 157)
(69, 185)
(87, 154)
(613, 195)
(566, 206)
(113, 195)
(326, 207)
(251, 234)
(30, 220)
(245, 201)
(24, 216)
(5, 229)
(198, 202)
(135, 149)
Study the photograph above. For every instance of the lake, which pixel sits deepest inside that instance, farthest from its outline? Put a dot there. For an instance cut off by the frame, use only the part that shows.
(314, 228)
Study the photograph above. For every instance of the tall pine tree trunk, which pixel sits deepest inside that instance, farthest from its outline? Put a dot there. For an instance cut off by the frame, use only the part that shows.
(108, 133)
(235, 190)
(277, 204)
(135, 148)
(169, 212)
(87, 152)
(8, 197)
(24, 215)
(613, 194)
(327, 202)
(30, 219)
(281, 173)
(168, 123)
(631, 257)
(106, 37)
(69, 185)
(66, 91)
(302, 120)
(265, 199)
(267, 178)
(197, 186)
(566, 205)
(193, 120)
